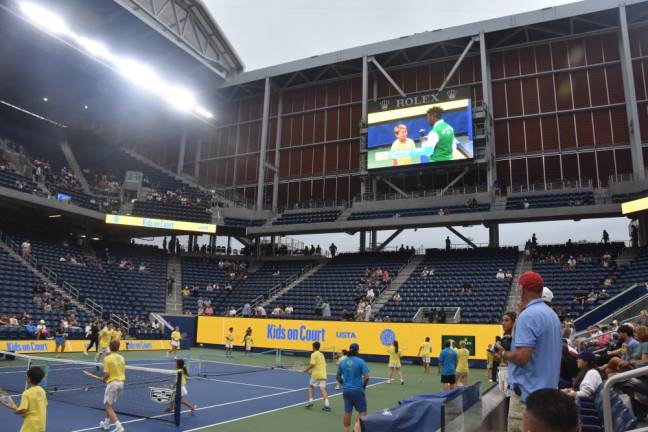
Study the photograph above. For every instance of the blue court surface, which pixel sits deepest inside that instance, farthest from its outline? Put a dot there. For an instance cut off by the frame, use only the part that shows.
(220, 399)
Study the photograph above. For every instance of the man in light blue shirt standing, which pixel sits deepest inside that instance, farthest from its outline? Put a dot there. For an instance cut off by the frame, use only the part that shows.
(536, 349)
(353, 374)
(447, 366)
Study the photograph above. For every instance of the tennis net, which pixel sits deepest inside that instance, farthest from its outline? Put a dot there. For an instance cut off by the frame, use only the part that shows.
(148, 392)
(299, 360)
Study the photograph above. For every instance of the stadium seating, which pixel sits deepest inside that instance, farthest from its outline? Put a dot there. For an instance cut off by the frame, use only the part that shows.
(199, 272)
(17, 291)
(336, 283)
(79, 198)
(108, 286)
(619, 198)
(550, 200)
(590, 412)
(586, 276)
(412, 212)
(15, 181)
(486, 301)
(307, 217)
(243, 223)
(161, 210)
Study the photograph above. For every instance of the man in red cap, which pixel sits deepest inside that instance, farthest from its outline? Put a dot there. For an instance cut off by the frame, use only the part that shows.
(536, 349)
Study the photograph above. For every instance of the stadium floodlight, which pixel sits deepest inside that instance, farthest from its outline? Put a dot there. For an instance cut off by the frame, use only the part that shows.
(85, 106)
(180, 98)
(45, 99)
(139, 73)
(203, 112)
(45, 19)
(95, 48)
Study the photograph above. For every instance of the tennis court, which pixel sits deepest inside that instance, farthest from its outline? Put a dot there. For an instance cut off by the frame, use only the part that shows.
(225, 389)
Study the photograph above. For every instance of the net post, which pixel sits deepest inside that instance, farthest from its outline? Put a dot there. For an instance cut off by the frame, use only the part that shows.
(178, 398)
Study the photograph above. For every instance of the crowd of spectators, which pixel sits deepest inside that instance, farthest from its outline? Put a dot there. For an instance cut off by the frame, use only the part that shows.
(179, 197)
(102, 184)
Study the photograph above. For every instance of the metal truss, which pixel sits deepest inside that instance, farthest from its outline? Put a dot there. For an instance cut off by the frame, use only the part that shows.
(189, 25)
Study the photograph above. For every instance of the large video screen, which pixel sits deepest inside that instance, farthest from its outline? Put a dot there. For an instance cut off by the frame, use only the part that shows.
(401, 133)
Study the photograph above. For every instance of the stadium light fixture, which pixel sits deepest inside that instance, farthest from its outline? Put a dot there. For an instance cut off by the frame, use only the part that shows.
(139, 73)
(95, 48)
(203, 112)
(45, 19)
(85, 107)
(45, 99)
(54, 216)
(180, 98)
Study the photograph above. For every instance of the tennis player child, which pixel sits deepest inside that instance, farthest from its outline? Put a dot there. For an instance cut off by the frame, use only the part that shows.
(462, 364)
(424, 352)
(105, 336)
(59, 339)
(317, 369)
(180, 366)
(229, 342)
(114, 367)
(33, 402)
(394, 362)
(247, 340)
(116, 334)
(175, 340)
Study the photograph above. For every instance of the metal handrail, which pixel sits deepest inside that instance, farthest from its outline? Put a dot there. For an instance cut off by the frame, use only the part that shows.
(607, 399)
(116, 319)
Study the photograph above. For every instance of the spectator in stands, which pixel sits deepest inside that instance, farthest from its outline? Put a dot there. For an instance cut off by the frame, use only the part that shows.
(185, 291)
(397, 297)
(318, 250)
(275, 271)
(525, 203)
(367, 312)
(277, 311)
(143, 268)
(589, 377)
(534, 359)
(606, 237)
(549, 410)
(580, 296)
(25, 249)
(634, 236)
(371, 295)
(247, 310)
(13, 321)
(568, 367)
(326, 310)
(630, 349)
(508, 321)
(571, 262)
(231, 311)
(209, 310)
(41, 330)
(467, 288)
(448, 243)
(227, 286)
(592, 297)
(332, 250)
(500, 274)
(643, 318)
(289, 310)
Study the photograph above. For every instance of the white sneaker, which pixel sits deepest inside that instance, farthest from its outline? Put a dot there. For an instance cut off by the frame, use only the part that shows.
(85, 353)
(119, 428)
(103, 425)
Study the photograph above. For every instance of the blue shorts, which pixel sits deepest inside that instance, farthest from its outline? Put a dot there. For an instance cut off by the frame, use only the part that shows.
(354, 399)
(59, 340)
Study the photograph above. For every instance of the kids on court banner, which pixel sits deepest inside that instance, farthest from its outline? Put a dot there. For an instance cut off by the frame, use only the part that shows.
(373, 338)
(47, 346)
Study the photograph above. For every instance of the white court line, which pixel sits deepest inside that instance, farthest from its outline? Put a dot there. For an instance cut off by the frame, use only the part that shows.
(239, 383)
(267, 412)
(227, 404)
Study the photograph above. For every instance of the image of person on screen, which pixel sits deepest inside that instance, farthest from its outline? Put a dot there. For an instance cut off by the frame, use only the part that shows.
(403, 143)
(441, 137)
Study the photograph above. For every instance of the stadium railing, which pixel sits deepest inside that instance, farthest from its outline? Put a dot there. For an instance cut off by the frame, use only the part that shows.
(608, 421)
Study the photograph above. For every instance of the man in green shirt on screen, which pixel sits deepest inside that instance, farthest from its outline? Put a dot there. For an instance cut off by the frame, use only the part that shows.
(441, 137)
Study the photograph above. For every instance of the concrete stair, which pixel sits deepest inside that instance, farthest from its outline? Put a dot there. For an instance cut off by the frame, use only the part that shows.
(499, 203)
(174, 299)
(74, 166)
(515, 293)
(396, 283)
(294, 283)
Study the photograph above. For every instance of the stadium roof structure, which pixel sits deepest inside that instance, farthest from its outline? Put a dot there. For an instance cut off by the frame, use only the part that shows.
(178, 38)
(528, 27)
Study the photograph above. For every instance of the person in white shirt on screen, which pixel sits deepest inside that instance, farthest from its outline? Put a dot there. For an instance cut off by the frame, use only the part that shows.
(403, 143)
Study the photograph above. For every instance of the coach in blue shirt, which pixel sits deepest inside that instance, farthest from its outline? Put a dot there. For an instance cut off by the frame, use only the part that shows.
(536, 349)
(353, 374)
(448, 366)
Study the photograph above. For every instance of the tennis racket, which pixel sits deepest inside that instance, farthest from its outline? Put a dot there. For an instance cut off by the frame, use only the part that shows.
(91, 375)
(7, 400)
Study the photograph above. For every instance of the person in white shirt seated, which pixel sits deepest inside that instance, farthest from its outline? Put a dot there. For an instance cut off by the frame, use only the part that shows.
(371, 295)
(425, 272)
(500, 274)
(289, 309)
(260, 311)
(210, 287)
(589, 377)
(571, 262)
(277, 311)
(509, 274)
(231, 312)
